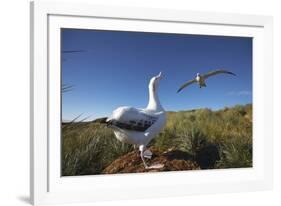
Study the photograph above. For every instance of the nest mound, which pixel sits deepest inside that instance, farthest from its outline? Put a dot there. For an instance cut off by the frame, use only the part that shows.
(172, 159)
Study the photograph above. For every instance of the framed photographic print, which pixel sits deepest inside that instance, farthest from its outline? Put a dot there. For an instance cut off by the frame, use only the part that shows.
(134, 103)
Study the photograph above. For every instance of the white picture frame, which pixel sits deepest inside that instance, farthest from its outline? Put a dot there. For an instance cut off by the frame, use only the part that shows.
(47, 186)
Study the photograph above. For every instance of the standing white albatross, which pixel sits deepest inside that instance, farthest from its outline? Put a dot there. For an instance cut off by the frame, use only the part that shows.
(139, 126)
(200, 79)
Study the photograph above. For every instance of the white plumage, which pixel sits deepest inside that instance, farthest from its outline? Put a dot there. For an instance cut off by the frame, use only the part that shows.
(139, 126)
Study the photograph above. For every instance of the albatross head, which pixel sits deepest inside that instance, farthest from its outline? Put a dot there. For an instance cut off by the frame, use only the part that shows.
(154, 82)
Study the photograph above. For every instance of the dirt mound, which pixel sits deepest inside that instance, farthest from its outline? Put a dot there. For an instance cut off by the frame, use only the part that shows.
(173, 160)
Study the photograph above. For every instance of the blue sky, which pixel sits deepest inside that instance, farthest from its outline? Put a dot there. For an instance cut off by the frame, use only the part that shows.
(114, 70)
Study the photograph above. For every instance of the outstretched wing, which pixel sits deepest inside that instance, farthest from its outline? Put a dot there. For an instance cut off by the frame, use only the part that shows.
(131, 119)
(215, 72)
(186, 84)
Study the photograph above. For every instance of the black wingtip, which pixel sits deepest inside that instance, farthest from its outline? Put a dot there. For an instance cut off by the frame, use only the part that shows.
(228, 72)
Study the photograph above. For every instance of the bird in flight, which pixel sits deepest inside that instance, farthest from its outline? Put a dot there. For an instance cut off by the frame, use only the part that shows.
(200, 79)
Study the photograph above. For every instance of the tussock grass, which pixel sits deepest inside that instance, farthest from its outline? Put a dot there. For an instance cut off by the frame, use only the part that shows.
(89, 147)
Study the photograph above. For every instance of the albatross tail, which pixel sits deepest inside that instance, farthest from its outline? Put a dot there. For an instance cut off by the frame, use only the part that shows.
(100, 120)
(203, 85)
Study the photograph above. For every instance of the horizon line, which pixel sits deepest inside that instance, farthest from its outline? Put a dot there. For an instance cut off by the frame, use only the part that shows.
(194, 109)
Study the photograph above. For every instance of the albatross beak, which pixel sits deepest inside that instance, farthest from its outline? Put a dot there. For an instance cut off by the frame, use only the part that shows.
(159, 75)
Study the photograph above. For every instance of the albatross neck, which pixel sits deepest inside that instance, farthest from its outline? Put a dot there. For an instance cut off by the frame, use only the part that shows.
(154, 103)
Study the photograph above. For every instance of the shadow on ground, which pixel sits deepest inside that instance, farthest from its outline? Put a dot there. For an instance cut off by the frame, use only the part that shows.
(24, 199)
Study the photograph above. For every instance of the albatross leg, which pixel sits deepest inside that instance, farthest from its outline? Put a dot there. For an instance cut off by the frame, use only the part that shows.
(149, 153)
(141, 148)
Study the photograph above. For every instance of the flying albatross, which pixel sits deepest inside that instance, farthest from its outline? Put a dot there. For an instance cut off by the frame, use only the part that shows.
(139, 126)
(200, 79)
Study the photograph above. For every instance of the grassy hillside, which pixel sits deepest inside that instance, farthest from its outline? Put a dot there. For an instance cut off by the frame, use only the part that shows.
(89, 147)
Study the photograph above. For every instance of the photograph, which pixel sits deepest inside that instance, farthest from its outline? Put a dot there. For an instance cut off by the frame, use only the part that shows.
(145, 102)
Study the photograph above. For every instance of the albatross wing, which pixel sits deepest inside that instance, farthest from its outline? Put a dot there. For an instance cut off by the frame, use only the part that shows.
(130, 118)
(186, 84)
(215, 72)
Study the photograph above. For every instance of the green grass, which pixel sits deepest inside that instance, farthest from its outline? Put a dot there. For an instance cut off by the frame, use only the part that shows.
(89, 147)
